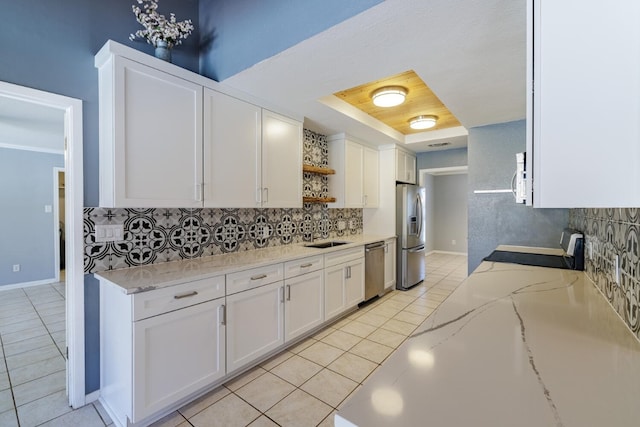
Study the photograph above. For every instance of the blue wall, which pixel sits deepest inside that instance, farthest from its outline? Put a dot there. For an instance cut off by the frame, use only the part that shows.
(237, 34)
(50, 45)
(26, 186)
(496, 219)
(442, 159)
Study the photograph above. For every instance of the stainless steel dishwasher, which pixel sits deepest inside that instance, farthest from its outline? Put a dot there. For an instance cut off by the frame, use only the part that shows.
(373, 270)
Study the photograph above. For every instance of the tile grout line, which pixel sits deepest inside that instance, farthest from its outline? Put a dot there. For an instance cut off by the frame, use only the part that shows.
(358, 383)
(46, 327)
(6, 366)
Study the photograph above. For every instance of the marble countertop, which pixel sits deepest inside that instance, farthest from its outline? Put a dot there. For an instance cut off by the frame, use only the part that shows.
(155, 276)
(513, 345)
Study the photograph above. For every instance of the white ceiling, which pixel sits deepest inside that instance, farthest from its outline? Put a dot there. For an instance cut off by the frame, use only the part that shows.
(31, 126)
(471, 53)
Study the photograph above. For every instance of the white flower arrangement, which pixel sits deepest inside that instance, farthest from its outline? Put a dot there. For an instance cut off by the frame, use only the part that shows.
(157, 27)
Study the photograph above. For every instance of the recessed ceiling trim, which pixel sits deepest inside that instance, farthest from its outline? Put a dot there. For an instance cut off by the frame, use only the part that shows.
(436, 134)
(358, 115)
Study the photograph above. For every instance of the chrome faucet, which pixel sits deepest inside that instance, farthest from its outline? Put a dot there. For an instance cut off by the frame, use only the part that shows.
(313, 236)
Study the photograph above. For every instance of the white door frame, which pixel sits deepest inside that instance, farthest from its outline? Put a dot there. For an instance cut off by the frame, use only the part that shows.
(56, 222)
(74, 262)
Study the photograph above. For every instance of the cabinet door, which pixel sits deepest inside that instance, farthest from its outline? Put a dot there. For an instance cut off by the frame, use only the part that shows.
(405, 167)
(353, 171)
(334, 280)
(401, 167)
(232, 152)
(585, 111)
(389, 264)
(303, 304)
(281, 161)
(255, 324)
(176, 354)
(151, 139)
(371, 178)
(354, 283)
(411, 168)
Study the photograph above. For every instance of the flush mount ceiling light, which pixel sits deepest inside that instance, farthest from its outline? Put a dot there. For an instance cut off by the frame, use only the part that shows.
(389, 96)
(423, 122)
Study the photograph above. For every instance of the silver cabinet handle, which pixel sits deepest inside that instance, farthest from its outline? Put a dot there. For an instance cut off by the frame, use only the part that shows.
(199, 191)
(223, 319)
(187, 295)
(258, 277)
(309, 264)
(281, 290)
(266, 195)
(288, 292)
(258, 195)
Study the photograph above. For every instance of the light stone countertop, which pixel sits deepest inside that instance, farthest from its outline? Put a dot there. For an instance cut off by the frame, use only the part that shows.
(513, 345)
(155, 276)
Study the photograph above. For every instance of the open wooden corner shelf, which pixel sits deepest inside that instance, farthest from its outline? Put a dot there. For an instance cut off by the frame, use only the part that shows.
(318, 170)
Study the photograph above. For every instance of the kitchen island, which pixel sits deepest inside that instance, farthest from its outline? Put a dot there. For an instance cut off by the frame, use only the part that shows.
(513, 345)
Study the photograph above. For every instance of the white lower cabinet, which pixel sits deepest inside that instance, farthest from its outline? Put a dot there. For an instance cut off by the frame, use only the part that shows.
(354, 283)
(159, 347)
(163, 346)
(389, 264)
(255, 324)
(303, 304)
(343, 281)
(176, 354)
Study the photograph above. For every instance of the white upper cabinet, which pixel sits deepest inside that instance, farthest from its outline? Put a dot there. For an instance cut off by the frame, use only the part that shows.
(150, 137)
(405, 167)
(281, 161)
(371, 177)
(172, 138)
(584, 103)
(232, 152)
(252, 156)
(356, 181)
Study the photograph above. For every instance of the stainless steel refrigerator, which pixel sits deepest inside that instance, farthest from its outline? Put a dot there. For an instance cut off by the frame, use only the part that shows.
(410, 229)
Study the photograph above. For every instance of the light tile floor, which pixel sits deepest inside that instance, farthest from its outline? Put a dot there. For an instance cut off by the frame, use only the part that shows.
(302, 386)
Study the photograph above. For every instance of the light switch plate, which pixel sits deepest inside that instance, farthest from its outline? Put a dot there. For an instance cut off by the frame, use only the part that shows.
(109, 232)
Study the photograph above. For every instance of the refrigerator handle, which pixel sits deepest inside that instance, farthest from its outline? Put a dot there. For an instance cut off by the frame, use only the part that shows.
(419, 211)
(416, 249)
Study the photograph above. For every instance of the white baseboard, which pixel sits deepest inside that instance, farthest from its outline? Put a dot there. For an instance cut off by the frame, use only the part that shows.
(28, 284)
(447, 253)
(92, 397)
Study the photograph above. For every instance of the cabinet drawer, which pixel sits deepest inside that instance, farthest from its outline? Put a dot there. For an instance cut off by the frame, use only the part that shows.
(345, 255)
(249, 279)
(152, 303)
(302, 266)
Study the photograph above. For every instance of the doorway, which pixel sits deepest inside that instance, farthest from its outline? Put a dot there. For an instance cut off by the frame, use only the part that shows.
(29, 100)
(446, 216)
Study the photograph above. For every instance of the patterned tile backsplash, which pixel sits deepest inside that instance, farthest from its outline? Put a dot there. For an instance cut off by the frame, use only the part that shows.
(611, 232)
(154, 235)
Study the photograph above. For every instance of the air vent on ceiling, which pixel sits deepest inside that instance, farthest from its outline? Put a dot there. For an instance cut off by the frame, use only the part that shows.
(439, 144)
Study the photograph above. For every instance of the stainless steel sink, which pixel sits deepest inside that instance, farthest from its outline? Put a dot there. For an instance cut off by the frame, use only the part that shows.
(324, 245)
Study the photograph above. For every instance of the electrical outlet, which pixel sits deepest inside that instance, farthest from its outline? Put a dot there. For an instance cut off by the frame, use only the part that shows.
(590, 250)
(109, 232)
(265, 232)
(16, 268)
(616, 269)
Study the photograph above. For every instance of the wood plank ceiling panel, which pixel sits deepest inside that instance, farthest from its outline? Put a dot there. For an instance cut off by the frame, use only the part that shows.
(420, 100)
